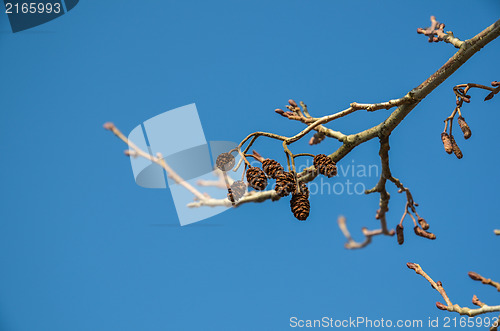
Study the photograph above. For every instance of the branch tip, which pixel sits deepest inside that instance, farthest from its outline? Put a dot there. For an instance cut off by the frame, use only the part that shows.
(109, 126)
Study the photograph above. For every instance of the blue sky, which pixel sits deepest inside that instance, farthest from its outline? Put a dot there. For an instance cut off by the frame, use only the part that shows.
(82, 247)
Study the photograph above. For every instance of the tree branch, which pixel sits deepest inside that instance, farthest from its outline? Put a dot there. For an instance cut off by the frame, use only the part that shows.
(136, 151)
(466, 51)
(438, 286)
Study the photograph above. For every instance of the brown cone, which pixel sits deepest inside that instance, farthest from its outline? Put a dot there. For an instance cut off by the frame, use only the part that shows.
(285, 184)
(303, 189)
(448, 147)
(465, 127)
(256, 178)
(456, 149)
(325, 165)
(225, 161)
(272, 168)
(300, 206)
(237, 191)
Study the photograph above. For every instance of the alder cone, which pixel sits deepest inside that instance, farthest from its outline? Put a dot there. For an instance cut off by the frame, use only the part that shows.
(300, 206)
(303, 189)
(465, 127)
(272, 168)
(225, 161)
(325, 165)
(256, 178)
(456, 149)
(237, 191)
(285, 184)
(448, 147)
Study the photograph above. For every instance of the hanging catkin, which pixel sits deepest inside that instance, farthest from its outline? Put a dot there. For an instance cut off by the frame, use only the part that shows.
(465, 127)
(448, 147)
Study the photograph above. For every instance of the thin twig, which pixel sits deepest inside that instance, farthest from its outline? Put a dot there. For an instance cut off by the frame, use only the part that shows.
(351, 243)
(158, 160)
(449, 305)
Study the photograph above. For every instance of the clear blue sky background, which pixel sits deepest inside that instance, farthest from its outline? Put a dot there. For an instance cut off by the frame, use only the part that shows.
(82, 247)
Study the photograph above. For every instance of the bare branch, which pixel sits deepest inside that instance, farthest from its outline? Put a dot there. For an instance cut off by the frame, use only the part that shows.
(136, 151)
(382, 131)
(438, 286)
(219, 183)
(351, 243)
(466, 51)
(487, 281)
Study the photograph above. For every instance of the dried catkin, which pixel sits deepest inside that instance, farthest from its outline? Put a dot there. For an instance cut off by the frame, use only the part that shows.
(456, 149)
(400, 235)
(465, 127)
(448, 147)
(423, 233)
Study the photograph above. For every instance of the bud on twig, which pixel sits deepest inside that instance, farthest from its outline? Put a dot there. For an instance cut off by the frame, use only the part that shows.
(448, 147)
(489, 96)
(465, 127)
(109, 126)
(476, 301)
(439, 305)
(400, 235)
(475, 276)
(292, 103)
(411, 265)
(317, 138)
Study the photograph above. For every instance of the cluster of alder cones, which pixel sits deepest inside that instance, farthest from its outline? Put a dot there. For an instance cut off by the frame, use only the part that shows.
(286, 181)
(449, 143)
